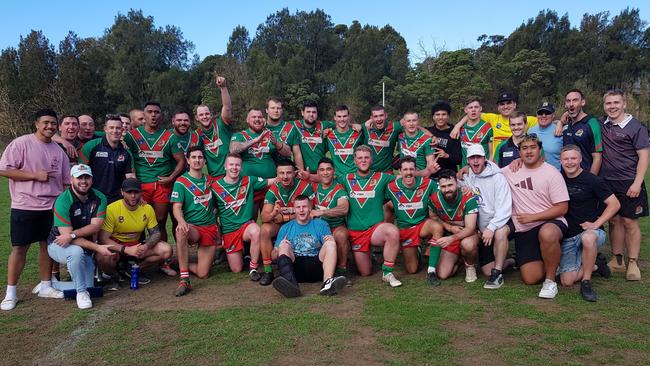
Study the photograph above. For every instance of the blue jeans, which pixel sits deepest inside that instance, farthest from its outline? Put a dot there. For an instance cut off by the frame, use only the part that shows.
(571, 258)
(80, 264)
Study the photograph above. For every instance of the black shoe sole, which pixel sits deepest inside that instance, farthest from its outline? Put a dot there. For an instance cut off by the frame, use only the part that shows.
(266, 280)
(286, 288)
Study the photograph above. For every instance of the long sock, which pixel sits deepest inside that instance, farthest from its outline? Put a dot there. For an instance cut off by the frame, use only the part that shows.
(267, 265)
(388, 267)
(434, 255)
(185, 274)
(11, 292)
(340, 271)
(285, 267)
(252, 265)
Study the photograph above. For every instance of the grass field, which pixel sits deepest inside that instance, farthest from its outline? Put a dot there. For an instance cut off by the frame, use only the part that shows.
(229, 320)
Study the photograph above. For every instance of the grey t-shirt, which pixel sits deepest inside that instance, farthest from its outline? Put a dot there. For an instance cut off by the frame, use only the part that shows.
(620, 145)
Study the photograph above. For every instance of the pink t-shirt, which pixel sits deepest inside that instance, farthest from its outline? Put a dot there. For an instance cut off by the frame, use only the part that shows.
(30, 154)
(535, 190)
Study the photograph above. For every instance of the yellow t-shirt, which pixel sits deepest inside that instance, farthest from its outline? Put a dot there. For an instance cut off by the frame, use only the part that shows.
(501, 127)
(126, 225)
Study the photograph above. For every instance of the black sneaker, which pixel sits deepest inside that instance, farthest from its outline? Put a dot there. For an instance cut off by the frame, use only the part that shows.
(254, 275)
(433, 278)
(285, 287)
(267, 278)
(495, 281)
(333, 285)
(603, 269)
(587, 292)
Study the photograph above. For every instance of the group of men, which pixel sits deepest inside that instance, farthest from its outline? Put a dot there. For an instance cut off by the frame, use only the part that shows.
(307, 193)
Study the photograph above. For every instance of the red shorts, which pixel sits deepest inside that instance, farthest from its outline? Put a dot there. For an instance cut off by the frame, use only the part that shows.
(360, 239)
(410, 238)
(155, 192)
(454, 247)
(234, 241)
(208, 235)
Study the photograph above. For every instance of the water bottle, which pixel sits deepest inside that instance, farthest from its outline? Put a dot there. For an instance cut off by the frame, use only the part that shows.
(135, 276)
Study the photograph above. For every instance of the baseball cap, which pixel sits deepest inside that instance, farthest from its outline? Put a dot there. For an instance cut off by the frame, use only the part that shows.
(506, 96)
(79, 170)
(546, 106)
(475, 149)
(131, 184)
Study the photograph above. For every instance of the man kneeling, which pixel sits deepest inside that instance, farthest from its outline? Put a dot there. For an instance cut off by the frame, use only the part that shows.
(306, 252)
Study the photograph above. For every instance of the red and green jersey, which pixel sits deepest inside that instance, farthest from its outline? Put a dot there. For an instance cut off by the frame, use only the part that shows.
(152, 153)
(234, 201)
(285, 132)
(454, 213)
(366, 195)
(311, 142)
(341, 147)
(215, 141)
(197, 199)
(277, 193)
(181, 143)
(326, 198)
(481, 133)
(257, 160)
(382, 144)
(417, 147)
(69, 211)
(411, 204)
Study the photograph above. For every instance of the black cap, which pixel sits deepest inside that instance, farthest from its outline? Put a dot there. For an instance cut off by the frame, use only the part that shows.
(546, 106)
(506, 96)
(440, 105)
(131, 184)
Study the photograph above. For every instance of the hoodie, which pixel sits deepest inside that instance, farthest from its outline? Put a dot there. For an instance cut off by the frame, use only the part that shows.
(493, 196)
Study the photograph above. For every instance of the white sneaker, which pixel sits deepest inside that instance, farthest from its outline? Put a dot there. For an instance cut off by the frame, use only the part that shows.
(8, 304)
(549, 289)
(470, 274)
(83, 300)
(50, 292)
(390, 278)
(36, 289)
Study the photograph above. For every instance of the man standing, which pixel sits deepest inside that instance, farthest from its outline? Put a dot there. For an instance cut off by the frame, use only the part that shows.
(585, 219)
(415, 143)
(583, 131)
(448, 149)
(37, 169)
(182, 138)
(126, 122)
(545, 131)
(492, 194)
(342, 140)
(79, 213)
(193, 208)
(475, 131)
(508, 151)
(86, 129)
(458, 213)
(153, 159)
(409, 196)
(367, 190)
(283, 131)
(539, 202)
(306, 253)
(68, 130)
(137, 117)
(625, 163)
(110, 162)
(381, 136)
(310, 135)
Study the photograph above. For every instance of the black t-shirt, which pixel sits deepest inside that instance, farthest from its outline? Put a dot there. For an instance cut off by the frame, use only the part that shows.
(448, 145)
(587, 193)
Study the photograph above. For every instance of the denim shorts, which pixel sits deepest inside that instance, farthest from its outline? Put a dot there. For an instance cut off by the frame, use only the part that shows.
(571, 258)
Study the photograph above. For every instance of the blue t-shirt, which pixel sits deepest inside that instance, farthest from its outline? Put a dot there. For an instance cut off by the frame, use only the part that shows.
(552, 144)
(306, 240)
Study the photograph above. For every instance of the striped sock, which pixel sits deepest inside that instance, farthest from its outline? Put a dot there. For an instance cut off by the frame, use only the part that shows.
(388, 267)
(185, 275)
(267, 265)
(253, 265)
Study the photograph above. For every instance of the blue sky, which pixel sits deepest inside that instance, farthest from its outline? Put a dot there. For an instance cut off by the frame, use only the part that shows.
(448, 25)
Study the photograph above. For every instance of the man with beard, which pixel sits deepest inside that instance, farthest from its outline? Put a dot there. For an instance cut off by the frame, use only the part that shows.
(284, 131)
(508, 151)
(68, 130)
(341, 141)
(234, 199)
(415, 143)
(79, 213)
(458, 213)
(409, 196)
(367, 191)
(381, 136)
(183, 139)
(545, 131)
(539, 202)
(448, 149)
(37, 169)
(155, 164)
(110, 162)
(583, 130)
(215, 133)
(278, 210)
(331, 204)
(310, 137)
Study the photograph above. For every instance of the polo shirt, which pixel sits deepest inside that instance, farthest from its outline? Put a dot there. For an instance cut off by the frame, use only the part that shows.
(109, 166)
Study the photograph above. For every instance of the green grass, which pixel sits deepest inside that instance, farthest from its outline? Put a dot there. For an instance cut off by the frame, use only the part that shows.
(371, 323)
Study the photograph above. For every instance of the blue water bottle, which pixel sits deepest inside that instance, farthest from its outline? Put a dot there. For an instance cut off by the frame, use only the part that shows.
(135, 276)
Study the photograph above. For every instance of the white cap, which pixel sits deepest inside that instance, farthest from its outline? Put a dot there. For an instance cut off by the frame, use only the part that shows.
(79, 170)
(475, 149)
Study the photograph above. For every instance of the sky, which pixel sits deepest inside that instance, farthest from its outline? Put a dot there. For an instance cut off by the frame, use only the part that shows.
(431, 25)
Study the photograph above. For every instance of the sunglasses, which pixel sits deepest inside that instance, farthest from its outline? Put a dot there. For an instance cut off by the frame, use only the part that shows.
(544, 113)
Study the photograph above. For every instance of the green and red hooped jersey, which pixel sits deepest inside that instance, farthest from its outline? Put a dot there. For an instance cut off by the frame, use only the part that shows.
(197, 199)
(417, 147)
(366, 196)
(328, 198)
(411, 205)
(277, 193)
(453, 213)
(216, 145)
(152, 153)
(235, 201)
(341, 147)
(382, 145)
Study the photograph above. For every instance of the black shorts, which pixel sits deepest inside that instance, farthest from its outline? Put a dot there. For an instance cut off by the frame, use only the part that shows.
(527, 243)
(486, 253)
(631, 208)
(29, 227)
(308, 269)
